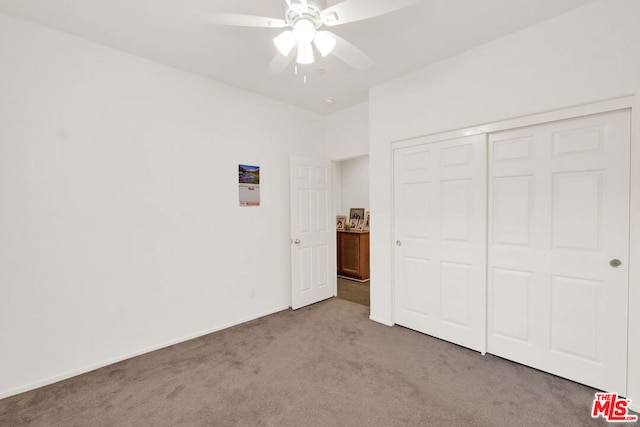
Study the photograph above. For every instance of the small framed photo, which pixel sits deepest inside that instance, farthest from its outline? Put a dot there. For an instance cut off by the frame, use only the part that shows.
(360, 225)
(367, 219)
(340, 221)
(356, 214)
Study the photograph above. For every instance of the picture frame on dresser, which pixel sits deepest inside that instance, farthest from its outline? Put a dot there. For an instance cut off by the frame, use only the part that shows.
(367, 219)
(340, 221)
(356, 214)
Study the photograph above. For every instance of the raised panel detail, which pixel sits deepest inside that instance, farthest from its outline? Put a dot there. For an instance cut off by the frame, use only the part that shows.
(416, 209)
(578, 141)
(322, 257)
(416, 161)
(510, 303)
(455, 199)
(416, 291)
(323, 210)
(577, 210)
(512, 149)
(306, 269)
(322, 174)
(455, 156)
(574, 321)
(304, 213)
(303, 172)
(454, 292)
(512, 210)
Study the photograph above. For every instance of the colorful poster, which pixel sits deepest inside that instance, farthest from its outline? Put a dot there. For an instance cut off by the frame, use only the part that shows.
(249, 184)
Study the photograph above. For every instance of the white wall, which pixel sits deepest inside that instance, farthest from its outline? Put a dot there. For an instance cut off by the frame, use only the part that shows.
(584, 56)
(337, 187)
(347, 133)
(354, 191)
(347, 142)
(120, 230)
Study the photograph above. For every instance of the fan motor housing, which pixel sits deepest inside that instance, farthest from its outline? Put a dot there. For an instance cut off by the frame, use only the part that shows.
(313, 13)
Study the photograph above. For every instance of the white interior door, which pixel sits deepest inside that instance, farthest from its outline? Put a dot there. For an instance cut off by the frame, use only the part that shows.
(313, 235)
(558, 220)
(440, 233)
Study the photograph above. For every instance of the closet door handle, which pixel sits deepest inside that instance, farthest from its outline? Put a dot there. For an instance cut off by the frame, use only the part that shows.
(398, 243)
(615, 263)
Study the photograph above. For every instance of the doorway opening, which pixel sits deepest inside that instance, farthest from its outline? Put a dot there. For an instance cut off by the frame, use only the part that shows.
(351, 191)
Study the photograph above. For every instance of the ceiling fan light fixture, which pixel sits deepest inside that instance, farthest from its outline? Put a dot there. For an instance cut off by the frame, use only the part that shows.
(304, 31)
(305, 54)
(325, 42)
(285, 42)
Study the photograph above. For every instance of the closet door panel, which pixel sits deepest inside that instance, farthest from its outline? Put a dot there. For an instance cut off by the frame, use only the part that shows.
(558, 215)
(440, 234)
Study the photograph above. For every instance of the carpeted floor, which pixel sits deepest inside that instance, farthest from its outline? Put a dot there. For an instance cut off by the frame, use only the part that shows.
(323, 365)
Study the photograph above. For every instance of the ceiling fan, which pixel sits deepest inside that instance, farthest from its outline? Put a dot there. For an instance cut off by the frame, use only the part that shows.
(304, 20)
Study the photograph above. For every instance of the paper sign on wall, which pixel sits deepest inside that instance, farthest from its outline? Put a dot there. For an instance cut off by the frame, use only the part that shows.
(249, 185)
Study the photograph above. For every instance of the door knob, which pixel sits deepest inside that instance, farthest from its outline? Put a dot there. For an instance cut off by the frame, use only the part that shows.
(297, 241)
(398, 243)
(615, 263)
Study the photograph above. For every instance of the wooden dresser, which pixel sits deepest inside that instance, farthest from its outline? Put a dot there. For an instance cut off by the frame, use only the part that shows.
(353, 254)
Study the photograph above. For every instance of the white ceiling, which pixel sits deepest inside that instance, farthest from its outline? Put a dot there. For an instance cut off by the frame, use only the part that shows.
(167, 31)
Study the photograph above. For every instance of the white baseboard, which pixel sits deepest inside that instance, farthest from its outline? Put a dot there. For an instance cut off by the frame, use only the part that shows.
(384, 322)
(84, 370)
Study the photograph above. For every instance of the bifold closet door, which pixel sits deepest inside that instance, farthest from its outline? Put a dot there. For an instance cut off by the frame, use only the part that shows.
(558, 248)
(440, 239)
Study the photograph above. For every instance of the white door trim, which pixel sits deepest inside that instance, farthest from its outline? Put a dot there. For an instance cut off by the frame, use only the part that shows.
(513, 123)
(633, 352)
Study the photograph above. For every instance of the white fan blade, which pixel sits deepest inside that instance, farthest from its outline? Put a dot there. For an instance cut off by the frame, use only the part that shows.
(280, 62)
(357, 10)
(350, 55)
(304, 6)
(243, 20)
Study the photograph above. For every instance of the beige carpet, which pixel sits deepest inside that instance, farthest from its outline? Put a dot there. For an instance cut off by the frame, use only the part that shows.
(324, 365)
